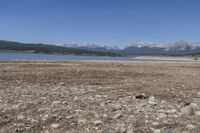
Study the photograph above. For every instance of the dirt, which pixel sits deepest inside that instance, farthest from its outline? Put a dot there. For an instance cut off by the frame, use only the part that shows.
(89, 96)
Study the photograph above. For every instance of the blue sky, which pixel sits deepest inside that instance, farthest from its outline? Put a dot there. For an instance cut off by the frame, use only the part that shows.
(105, 22)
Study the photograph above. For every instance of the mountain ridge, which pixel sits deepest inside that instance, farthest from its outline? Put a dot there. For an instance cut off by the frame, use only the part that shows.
(145, 48)
(10, 46)
(178, 48)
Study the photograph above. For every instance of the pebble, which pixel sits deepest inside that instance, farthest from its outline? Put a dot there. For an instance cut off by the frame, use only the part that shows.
(162, 115)
(198, 94)
(76, 99)
(194, 105)
(116, 107)
(155, 123)
(105, 115)
(45, 131)
(20, 117)
(156, 131)
(140, 96)
(97, 122)
(198, 113)
(20, 127)
(178, 130)
(55, 125)
(190, 126)
(81, 121)
(56, 102)
(118, 116)
(62, 83)
(152, 100)
(188, 110)
(171, 111)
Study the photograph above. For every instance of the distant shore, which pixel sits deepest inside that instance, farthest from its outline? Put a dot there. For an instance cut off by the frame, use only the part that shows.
(169, 58)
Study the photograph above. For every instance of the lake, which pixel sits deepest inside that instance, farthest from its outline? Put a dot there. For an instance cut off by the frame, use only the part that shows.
(43, 57)
(12, 56)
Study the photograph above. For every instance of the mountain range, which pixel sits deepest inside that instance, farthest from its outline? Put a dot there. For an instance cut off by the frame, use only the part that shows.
(140, 48)
(144, 48)
(17, 47)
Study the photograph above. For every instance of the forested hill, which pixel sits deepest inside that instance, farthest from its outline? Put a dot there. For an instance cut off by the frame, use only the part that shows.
(8, 46)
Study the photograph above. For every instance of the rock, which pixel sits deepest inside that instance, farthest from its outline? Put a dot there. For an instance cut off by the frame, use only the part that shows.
(152, 100)
(194, 105)
(118, 116)
(20, 127)
(155, 123)
(190, 126)
(44, 119)
(120, 128)
(163, 102)
(116, 107)
(130, 129)
(171, 111)
(62, 83)
(156, 131)
(188, 110)
(178, 130)
(45, 131)
(15, 106)
(81, 121)
(102, 104)
(162, 115)
(198, 113)
(97, 122)
(56, 102)
(20, 117)
(198, 94)
(69, 117)
(76, 99)
(105, 115)
(140, 96)
(34, 121)
(55, 125)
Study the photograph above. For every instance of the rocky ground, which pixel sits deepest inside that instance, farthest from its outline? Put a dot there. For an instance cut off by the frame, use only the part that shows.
(99, 97)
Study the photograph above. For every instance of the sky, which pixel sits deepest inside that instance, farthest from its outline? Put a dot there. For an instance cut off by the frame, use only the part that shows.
(104, 22)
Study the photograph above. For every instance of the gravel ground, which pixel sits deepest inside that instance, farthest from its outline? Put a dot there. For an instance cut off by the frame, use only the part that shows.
(99, 97)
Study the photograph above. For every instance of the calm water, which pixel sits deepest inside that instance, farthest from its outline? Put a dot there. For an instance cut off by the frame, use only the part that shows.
(69, 57)
(56, 57)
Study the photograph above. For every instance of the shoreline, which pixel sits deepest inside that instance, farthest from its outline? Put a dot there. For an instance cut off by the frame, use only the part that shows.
(170, 58)
(44, 57)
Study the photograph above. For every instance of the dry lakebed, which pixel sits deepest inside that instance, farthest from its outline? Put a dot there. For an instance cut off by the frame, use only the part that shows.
(99, 97)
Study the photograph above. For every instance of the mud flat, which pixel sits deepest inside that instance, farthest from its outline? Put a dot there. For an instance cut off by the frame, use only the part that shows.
(99, 97)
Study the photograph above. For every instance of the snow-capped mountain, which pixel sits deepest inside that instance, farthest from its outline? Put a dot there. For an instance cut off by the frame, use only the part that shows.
(95, 47)
(176, 48)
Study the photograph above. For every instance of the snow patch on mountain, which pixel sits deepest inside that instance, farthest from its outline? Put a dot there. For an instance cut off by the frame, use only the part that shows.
(178, 46)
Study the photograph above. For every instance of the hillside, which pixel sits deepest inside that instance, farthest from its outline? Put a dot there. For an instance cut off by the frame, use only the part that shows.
(8, 46)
